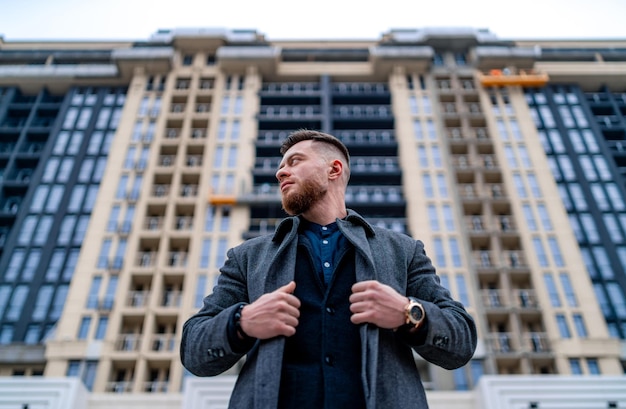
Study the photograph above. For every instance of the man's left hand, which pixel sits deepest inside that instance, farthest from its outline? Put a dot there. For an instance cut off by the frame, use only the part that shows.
(377, 304)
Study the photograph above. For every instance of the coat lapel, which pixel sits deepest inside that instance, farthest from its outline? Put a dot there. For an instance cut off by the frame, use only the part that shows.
(281, 270)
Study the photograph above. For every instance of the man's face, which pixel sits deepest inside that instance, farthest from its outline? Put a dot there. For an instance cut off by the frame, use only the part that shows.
(302, 178)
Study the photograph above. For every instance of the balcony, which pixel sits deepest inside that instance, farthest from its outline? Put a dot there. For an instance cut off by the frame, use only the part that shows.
(119, 387)
(146, 258)
(163, 342)
(155, 386)
(183, 223)
(172, 298)
(137, 299)
(290, 112)
(177, 259)
(510, 259)
(189, 190)
(128, 342)
(160, 190)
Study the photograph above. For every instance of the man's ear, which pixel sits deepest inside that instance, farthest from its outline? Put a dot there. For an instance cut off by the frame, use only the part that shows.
(336, 169)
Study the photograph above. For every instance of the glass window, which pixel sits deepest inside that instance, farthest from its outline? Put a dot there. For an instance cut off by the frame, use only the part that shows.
(15, 265)
(208, 219)
(94, 143)
(436, 154)
(61, 142)
(200, 289)
(422, 156)
(534, 185)
(58, 303)
(43, 230)
(615, 196)
(417, 130)
(574, 364)
(70, 118)
(75, 143)
(14, 309)
(603, 263)
(544, 217)
(65, 169)
(70, 264)
(83, 119)
(225, 222)
(563, 326)
(54, 267)
(529, 217)
(81, 230)
(579, 324)
(32, 334)
(42, 302)
(6, 334)
(67, 228)
(612, 227)
(83, 330)
(594, 368)
(31, 264)
(448, 218)
(205, 253)
(51, 170)
(605, 306)
(548, 280)
(433, 218)
(442, 185)
(101, 329)
(218, 158)
(566, 168)
(510, 156)
(225, 104)
(578, 197)
(440, 255)
(462, 290)
(556, 252)
(428, 185)
(570, 296)
(576, 140)
(94, 290)
(76, 199)
(232, 157)
(431, 130)
(122, 187)
(617, 298)
(39, 198)
(589, 227)
(113, 218)
(524, 157)
(519, 185)
(590, 140)
(56, 194)
(455, 252)
(220, 258)
(90, 199)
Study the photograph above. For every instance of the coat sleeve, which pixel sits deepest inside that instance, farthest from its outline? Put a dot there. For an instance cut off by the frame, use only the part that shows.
(450, 336)
(205, 349)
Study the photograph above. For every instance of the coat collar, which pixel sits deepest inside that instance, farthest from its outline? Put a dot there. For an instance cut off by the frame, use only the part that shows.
(289, 226)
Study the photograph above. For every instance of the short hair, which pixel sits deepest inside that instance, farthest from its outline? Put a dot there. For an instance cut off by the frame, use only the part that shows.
(307, 134)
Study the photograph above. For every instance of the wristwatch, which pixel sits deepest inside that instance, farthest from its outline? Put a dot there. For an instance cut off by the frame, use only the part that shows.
(415, 313)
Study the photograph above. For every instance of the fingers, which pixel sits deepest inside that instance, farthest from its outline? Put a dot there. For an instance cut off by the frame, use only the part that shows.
(288, 288)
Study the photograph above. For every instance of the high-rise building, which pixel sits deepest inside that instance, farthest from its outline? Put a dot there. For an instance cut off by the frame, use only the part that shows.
(128, 169)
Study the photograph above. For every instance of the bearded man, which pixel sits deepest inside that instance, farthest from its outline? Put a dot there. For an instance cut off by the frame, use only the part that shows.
(328, 308)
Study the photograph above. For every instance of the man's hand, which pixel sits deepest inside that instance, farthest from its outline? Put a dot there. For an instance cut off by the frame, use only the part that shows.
(377, 304)
(272, 314)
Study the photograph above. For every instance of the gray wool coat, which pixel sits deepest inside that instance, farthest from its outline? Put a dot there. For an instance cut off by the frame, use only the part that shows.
(389, 375)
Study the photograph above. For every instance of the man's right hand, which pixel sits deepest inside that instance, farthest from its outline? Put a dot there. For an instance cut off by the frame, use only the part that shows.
(273, 314)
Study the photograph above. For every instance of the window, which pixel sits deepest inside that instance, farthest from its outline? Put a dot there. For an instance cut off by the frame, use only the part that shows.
(200, 290)
(83, 330)
(75, 142)
(42, 303)
(519, 185)
(428, 185)
(232, 157)
(615, 196)
(206, 253)
(92, 299)
(534, 185)
(574, 364)
(442, 185)
(579, 324)
(15, 265)
(540, 252)
(555, 301)
(58, 303)
(529, 217)
(113, 218)
(610, 222)
(556, 252)
(220, 257)
(455, 252)
(14, 309)
(422, 156)
(617, 298)
(462, 290)
(570, 296)
(43, 230)
(54, 267)
(440, 255)
(433, 218)
(592, 365)
(103, 259)
(563, 327)
(65, 169)
(121, 187)
(417, 130)
(603, 262)
(101, 329)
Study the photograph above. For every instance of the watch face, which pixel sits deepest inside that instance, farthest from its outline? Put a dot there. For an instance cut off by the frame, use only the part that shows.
(416, 313)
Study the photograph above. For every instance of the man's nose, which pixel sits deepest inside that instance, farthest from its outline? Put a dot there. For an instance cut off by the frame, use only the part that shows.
(281, 173)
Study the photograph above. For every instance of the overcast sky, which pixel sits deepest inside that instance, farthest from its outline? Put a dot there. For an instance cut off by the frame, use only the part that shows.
(313, 19)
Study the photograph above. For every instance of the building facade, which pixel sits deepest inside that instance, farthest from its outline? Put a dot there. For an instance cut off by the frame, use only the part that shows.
(128, 169)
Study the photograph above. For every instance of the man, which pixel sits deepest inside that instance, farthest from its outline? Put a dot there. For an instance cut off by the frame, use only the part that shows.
(321, 307)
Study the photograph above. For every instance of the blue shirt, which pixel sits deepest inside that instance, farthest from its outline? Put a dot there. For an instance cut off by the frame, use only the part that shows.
(326, 244)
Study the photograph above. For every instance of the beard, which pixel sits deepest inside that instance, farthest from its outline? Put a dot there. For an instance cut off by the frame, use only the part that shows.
(299, 201)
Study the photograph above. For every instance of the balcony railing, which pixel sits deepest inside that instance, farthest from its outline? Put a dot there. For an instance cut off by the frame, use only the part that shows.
(119, 387)
(137, 298)
(506, 259)
(163, 342)
(128, 342)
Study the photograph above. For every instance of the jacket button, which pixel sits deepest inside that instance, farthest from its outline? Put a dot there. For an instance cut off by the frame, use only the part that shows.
(329, 360)
(330, 310)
